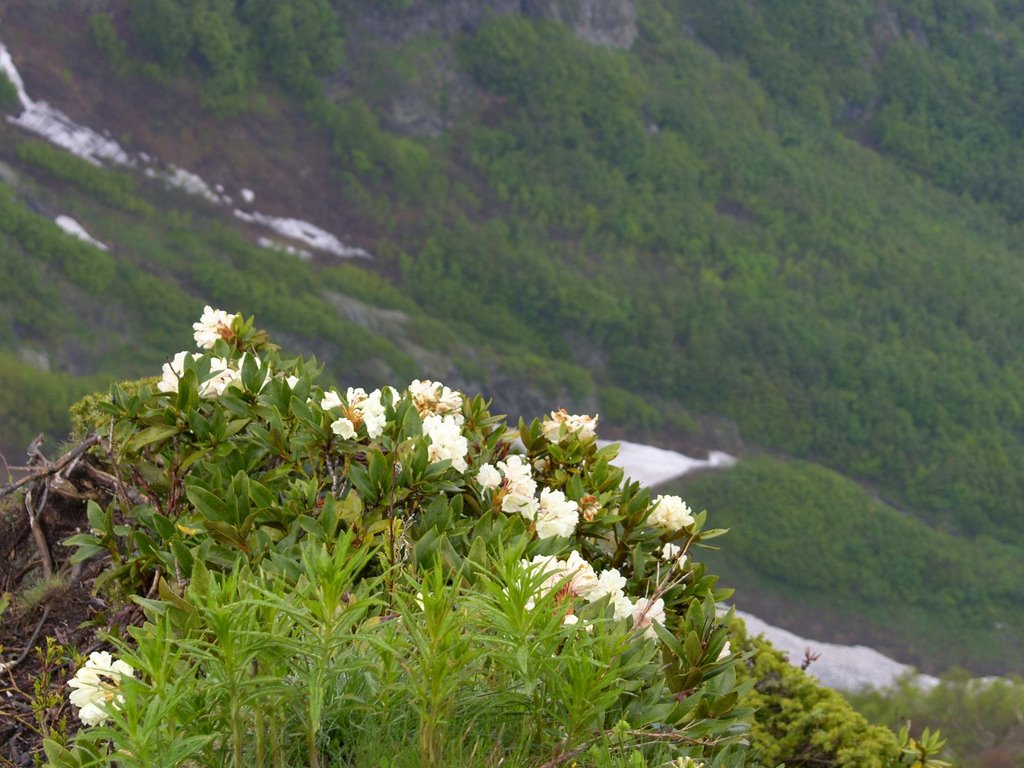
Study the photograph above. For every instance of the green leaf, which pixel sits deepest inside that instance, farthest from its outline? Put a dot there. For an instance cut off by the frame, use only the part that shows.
(151, 435)
(81, 540)
(226, 534)
(206, 503)
(58, 755)
(164, 526)
(96, 515)
(84, 552)
(311, 526)
(693, 649)
(183, 555)
(412, 424)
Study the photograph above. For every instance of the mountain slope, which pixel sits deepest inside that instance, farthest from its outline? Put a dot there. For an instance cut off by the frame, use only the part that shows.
(726, 226)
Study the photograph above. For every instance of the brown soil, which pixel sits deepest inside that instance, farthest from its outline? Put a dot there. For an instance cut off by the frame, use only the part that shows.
(33, 691)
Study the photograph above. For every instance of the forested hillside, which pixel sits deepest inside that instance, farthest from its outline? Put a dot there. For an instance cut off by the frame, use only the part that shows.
(793, 221)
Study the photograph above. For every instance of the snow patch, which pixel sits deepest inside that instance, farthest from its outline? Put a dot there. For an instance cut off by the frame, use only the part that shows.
(72, 227)
(273, 245)
(189, 182)
(304, 232)
(248, 196)
(653, 466)
(843, 667)
(40, 118)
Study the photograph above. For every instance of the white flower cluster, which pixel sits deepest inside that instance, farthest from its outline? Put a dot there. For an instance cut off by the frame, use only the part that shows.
(446, 440)
(358, 408)
(557, 515)
(585, 583)
(562, 424)
(221, 376)
(552, 514)
(97, 686)
(671, 513)
(214, 324)
(433, 398)
(439, 406)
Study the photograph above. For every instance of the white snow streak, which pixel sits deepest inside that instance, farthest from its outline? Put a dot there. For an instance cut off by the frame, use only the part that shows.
(304, 232)
(189, 182)
(40, 118)
(72, 227)
(248, 196)
(654, 466)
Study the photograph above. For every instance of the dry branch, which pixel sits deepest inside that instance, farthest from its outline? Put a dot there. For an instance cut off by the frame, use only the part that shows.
(50, 468)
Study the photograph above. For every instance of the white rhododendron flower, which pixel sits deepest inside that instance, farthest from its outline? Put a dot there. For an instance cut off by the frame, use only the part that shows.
(292, 381)
(488, 477)
(519, 488)
(432, 398)
(583, 580)
(609, 583)
(561, 424)
(221, 377)
(726, 650)
(343, 428)
(526, 506)
(557, 515)
(646, 613)
(357, 409)
(368, 409)
(330, 400)
(578, 571)
(97, 686)
(622, 606)
(173, 371)
(213, 325)
(670, 513)
(446, 441)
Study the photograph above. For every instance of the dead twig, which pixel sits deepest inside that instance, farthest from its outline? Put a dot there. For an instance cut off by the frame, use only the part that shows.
(34, 511)
(48, 468)
(29, 645)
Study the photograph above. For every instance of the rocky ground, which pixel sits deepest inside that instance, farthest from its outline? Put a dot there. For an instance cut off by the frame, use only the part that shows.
(49, 618)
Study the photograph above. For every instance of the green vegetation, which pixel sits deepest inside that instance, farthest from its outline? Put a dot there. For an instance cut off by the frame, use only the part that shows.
(940, 597)
(797, 216)
(116, 189)
(339, 581)
(8, 92)
(800, 724)
(935, 85)
(980, 718)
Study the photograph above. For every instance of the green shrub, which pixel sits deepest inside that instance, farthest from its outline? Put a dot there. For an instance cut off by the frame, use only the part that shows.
(112, 187)
(800, 724)
(292, 532)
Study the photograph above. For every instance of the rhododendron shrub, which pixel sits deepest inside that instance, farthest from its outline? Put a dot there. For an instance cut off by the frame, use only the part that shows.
(248, 490)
